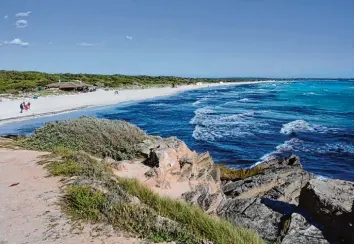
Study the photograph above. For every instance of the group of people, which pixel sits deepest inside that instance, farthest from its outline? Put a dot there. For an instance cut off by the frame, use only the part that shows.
(25, 106)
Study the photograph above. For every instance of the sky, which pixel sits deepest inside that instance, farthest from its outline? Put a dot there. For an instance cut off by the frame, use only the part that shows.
(195, 38)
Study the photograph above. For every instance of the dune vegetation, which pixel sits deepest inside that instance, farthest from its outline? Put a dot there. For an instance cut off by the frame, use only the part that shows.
(95, 194)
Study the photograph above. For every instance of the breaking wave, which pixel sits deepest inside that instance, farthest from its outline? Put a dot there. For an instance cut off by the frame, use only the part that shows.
(302, 126)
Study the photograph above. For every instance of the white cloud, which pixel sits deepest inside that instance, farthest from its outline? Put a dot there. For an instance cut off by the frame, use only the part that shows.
(23, 14)
(86, 44)
(129, 37)
(22, 23)
(17, 41)
(6, 16)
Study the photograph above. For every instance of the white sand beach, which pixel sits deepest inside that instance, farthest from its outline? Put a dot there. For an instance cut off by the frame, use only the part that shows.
(49, 105)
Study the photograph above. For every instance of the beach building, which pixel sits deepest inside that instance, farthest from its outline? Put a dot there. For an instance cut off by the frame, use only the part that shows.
(71, 86)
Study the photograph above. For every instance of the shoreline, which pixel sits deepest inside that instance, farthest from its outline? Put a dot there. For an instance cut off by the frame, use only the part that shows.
(59, 104)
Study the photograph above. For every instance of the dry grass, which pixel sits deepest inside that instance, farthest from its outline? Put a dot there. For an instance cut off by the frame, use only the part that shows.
(228, 173)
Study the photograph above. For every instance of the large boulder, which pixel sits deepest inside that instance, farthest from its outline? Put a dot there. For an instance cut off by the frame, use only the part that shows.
(301, 231)
(331, 203)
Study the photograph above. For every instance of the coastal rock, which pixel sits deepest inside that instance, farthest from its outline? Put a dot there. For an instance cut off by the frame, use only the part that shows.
(252, 213)
(205, 197)
(280, 179)
(300, 231)
(171, 157)
(331, 203)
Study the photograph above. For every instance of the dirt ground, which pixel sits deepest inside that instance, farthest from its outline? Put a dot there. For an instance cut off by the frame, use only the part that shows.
(28, 206)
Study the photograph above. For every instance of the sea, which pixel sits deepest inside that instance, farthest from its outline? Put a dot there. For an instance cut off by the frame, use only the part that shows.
(243, 125)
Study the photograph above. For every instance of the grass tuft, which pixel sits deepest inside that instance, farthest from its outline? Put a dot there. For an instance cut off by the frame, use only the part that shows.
(196, 221)
(65, 168)
(84, 203)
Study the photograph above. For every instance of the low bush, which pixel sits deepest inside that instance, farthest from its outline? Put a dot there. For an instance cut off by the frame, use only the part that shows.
(101, 137)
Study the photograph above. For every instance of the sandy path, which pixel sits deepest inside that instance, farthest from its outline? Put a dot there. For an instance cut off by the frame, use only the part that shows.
(28, 210)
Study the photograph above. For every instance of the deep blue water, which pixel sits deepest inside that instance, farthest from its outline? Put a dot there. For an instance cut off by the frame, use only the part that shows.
(243, 124)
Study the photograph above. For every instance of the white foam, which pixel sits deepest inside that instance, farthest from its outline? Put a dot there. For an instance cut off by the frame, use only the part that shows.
(288, 146)
(321, 177)
(296, 126)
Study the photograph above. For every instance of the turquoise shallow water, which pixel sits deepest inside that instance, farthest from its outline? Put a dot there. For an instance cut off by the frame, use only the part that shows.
(244, 124)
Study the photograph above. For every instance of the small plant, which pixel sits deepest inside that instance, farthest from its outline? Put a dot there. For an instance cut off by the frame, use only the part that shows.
(84, 203)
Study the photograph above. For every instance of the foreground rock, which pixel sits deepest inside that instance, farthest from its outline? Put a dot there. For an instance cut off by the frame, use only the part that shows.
(301, 231)
(331, 203)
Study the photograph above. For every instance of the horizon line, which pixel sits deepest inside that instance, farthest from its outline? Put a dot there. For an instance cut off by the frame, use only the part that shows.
(189, 77)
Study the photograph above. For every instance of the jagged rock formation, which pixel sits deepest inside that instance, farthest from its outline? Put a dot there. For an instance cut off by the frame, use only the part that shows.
(331, 203)
(268, 203)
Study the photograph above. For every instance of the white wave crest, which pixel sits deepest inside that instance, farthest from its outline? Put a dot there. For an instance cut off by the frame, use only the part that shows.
(311, 93)
(211, 126)
(158, 105)
(206, 117)
(244, 100)
(302, 126)
(199, 101)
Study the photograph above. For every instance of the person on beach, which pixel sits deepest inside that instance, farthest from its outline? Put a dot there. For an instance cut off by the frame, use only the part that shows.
(21, 107)
(29, 105)
(25, 106)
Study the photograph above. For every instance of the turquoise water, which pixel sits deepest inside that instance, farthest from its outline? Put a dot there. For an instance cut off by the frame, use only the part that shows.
(244, 124)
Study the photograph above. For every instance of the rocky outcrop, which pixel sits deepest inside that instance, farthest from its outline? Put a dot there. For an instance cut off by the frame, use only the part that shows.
(281, 179)
(331, 203)
(171, 156)
(267, 201)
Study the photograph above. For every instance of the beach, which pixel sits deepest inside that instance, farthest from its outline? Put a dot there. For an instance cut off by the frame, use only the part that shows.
(50, 105)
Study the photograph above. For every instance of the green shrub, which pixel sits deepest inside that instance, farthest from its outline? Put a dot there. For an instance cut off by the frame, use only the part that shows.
(101, 137)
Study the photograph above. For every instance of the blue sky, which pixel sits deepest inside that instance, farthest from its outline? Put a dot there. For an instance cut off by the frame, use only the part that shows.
(204, 38)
